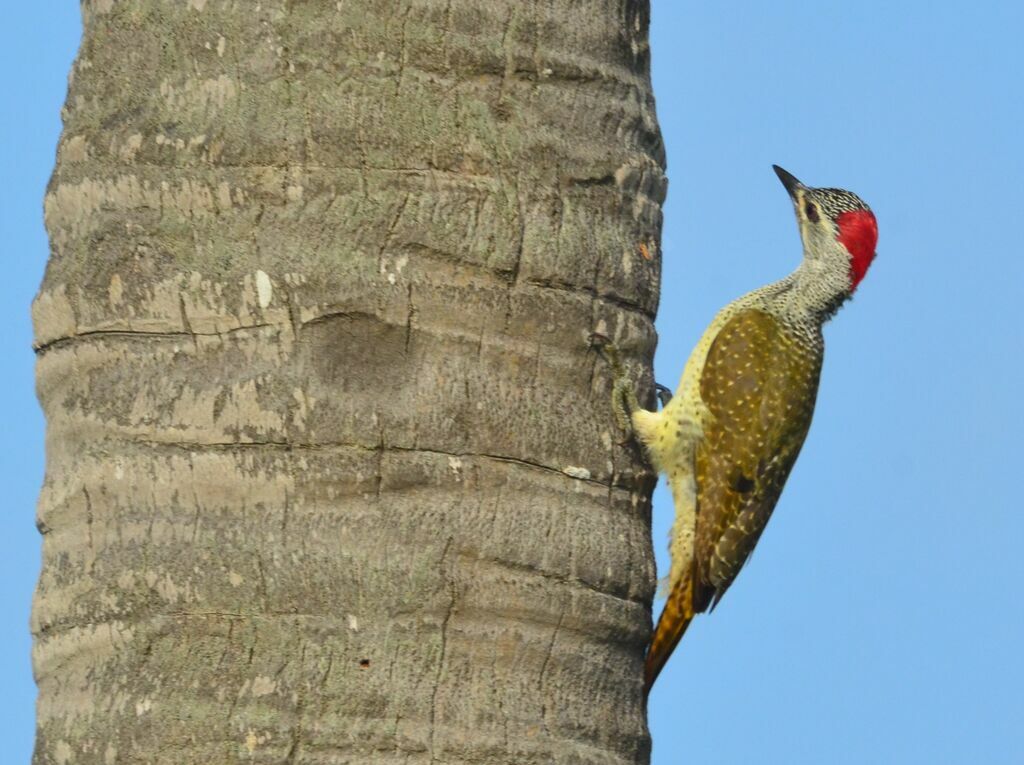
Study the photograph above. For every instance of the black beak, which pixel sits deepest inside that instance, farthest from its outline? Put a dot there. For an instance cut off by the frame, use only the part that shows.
(788, 180)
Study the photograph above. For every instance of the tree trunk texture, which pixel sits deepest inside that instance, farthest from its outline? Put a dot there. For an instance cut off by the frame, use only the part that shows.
(331, 471)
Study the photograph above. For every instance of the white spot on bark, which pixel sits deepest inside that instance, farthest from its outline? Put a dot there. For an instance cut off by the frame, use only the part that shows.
(455, 465)
(386, 266)
(253, 740)
(224, 195)
(294, 193)
(606, 439)
(115, 291)
(222, 43)
(640, 202)
(304, 405)
(235, 578)
(353, 623)
(262, 686)
(195, 93)
(264, 289)
(197, 4)
(626, 174)
(577, 472)
(110, 755)
(627, 262)
(141, 707)
(131, 147)
(169, 590)
(76, 149)
(62, 753)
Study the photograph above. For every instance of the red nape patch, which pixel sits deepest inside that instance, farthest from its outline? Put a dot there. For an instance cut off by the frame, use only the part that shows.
(858, 233)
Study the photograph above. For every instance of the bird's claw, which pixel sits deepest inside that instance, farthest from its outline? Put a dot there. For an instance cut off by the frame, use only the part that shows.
(664, 394)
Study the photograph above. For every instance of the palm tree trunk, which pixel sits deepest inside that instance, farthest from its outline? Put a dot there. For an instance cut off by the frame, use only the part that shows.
(331, 472)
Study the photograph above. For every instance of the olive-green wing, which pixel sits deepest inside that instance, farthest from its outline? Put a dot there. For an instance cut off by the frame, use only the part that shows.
(759, 382)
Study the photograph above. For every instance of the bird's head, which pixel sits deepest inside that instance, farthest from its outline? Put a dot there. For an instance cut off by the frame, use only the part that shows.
(839, 231)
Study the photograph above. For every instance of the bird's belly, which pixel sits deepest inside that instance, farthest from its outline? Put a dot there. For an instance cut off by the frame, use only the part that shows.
(671, 437)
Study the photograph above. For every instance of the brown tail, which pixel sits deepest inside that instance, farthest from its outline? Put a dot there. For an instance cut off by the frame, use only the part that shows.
(672, 624)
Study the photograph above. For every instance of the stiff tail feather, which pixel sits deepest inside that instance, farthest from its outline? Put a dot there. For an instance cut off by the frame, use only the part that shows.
(675, 618)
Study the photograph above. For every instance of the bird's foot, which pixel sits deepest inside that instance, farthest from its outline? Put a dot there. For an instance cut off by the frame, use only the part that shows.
(624, 401)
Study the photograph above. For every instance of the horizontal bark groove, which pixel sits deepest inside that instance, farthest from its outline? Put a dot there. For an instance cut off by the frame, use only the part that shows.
(127, 333)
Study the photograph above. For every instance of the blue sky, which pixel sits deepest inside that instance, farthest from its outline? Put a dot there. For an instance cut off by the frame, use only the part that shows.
(880, 618)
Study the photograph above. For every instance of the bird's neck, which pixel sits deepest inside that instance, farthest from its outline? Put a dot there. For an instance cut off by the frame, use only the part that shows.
(812, 293)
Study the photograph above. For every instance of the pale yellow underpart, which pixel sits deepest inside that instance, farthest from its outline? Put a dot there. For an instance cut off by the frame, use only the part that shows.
(671, 437)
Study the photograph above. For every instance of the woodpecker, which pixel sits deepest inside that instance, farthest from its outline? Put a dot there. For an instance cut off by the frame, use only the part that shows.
(727, 440)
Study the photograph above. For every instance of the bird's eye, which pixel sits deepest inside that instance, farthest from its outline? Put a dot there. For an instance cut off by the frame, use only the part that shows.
(811, 211)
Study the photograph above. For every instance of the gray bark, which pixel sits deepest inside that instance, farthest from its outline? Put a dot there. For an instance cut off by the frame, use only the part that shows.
(331, 472)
